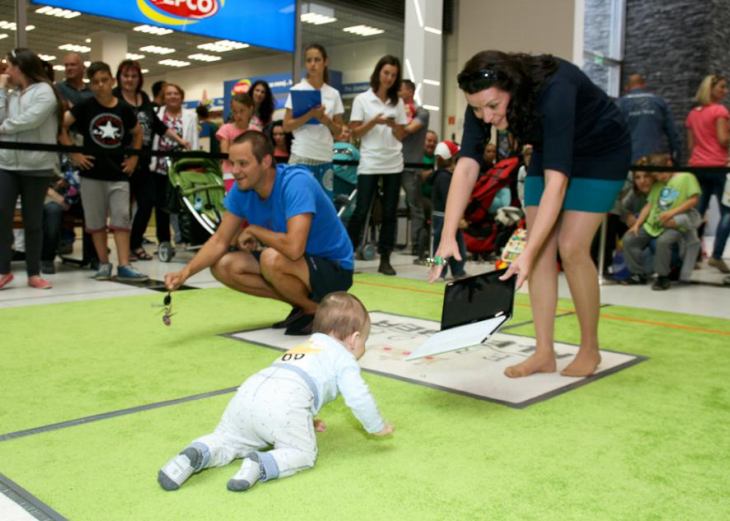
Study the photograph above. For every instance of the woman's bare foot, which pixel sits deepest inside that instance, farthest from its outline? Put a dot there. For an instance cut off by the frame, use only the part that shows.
(537, 363)
(584, 363)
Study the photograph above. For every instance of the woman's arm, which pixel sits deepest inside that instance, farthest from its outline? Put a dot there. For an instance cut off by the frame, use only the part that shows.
(359, 129)
(723, 132)
(33, 115)
(333, 124)
(291, 123)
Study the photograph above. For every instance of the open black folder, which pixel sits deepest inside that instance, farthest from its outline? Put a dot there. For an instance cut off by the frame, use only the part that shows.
(474, 309)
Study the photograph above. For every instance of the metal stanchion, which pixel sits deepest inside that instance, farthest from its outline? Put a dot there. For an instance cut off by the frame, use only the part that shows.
(602, 249)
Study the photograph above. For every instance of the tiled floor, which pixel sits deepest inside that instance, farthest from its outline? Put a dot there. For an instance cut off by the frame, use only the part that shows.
(72, 284)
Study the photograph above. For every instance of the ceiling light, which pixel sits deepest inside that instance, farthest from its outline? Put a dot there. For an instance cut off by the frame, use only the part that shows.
(149, 29)
(74, 48)
(87, 63)
(223, 46)
(174, 63)
(363, 30)
(88, 40)
(154, 49)
(46, 57)
(132, 56)
(204, 57)
(145, 71)
(3, 35)
(59, 68)
(11, 26)
(317, 14)
(59, 13)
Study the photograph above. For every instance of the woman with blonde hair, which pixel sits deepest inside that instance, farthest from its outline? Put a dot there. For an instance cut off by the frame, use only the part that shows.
(708, 136)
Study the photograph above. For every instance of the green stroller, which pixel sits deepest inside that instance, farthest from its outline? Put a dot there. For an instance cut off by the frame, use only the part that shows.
(196, 194)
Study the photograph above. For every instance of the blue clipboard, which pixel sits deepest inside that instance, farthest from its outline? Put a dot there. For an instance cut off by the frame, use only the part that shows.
(303, 101)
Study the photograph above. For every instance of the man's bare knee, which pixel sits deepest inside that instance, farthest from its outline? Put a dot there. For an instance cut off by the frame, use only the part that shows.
(272, 262)
(221, 270)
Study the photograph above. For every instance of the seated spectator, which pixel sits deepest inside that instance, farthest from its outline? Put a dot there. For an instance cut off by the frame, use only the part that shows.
(635, 199)
(62, 198)
(440, 179)
(490, 156)
(345, 175)
(522, 173)
(670, 217)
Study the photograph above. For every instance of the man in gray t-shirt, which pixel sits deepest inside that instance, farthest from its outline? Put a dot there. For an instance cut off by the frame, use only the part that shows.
(415, 136)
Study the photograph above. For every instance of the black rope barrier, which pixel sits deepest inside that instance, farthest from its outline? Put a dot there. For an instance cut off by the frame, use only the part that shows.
(200, 154)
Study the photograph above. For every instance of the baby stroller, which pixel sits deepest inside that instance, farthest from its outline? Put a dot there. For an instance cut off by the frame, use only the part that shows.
(486, 234)
(196, 195)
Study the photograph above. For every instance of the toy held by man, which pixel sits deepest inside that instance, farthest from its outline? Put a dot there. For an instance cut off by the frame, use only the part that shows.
(166, 309)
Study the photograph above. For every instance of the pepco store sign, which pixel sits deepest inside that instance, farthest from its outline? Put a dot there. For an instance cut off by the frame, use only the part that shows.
(264, 23)
(182, 12)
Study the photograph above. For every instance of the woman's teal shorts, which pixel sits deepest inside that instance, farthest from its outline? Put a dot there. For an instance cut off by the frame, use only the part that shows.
(583, 195)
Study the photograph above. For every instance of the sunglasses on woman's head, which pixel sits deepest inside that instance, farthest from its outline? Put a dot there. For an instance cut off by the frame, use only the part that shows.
(486, 76)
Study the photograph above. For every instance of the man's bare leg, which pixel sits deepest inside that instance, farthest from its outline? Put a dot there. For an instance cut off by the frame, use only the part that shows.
(290, 279)
(240, 270)
(576, 234)
(543, 287)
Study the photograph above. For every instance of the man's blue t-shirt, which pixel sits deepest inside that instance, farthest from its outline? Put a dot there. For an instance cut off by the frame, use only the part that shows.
(296, 192)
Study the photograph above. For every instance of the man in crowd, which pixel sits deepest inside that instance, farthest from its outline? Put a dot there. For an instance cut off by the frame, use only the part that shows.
(413, 142)
(73, 89)
(650, 121)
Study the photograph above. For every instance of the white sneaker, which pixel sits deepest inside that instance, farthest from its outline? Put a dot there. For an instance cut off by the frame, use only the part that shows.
(246, 477)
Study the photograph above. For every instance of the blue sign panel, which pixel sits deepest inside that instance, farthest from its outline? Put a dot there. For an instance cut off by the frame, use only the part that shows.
(268, 23)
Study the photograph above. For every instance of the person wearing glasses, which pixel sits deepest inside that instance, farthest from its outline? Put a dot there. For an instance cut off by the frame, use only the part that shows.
(581, 156)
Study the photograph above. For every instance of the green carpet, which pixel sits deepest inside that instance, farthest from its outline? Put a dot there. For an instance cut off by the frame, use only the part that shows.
(649, 442)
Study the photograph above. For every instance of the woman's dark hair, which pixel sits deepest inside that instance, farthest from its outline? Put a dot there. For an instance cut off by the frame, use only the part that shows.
(288, 137)
(520, 75)
(130, 64)
(375, 77)
(32, 68)
(321, 50)
(266, 109)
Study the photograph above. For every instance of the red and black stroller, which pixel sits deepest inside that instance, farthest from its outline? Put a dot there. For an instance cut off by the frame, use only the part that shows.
(487, 234)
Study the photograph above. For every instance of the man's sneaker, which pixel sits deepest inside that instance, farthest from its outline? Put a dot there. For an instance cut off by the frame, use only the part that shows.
(634, 280)
(719, 264)
(662, 284)
(293, 315)
(38, 282)
(103, 272)
(246, 477)
(48, 267)
(6, 279)
(129, 274)
(179, 469)
(301, 327)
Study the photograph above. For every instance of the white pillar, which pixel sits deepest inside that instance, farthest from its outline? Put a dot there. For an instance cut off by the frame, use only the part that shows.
(110, 48)
(422, 55)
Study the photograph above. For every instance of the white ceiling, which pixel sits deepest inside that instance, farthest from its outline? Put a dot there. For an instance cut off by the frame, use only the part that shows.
(51, 32)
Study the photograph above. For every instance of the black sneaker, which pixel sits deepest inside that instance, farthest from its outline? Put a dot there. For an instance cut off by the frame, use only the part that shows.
(634, 280)
(301, 326)
(662, 284)
(294, 314)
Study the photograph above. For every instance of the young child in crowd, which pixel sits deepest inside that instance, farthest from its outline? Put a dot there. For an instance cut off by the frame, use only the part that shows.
(276, 406)
(108, 124)
(670, 217)
(242, 108)
(440, 179)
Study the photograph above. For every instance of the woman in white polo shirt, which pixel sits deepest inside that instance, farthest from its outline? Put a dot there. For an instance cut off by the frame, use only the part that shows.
(377, 119)
(312, 145)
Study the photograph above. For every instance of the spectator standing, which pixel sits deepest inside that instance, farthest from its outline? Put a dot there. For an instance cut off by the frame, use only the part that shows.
(242, 107)
(207, 130)
(158, 94)
(73, 89)
(414, 138)
(312, 145)
(264, 105)
(649, 119)
(143, 183)
(377, 119)
(281, 140)
(32, 112)
(708, 136)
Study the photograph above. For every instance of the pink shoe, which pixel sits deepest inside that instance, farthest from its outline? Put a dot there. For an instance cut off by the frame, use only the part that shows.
(39, 282)
(6, 279)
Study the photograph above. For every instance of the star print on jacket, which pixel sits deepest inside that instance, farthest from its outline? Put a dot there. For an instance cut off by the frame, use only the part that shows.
(107, 130)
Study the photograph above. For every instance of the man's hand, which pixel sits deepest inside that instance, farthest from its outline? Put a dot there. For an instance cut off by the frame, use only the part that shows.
(670, 223)
(174, 280)
(129, 165)
(388, 429)
(247, 241)
(634, 229)
(319, 425)
(83, 161)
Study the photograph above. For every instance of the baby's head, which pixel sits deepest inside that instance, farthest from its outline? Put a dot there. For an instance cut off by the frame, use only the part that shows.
(343, 317)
